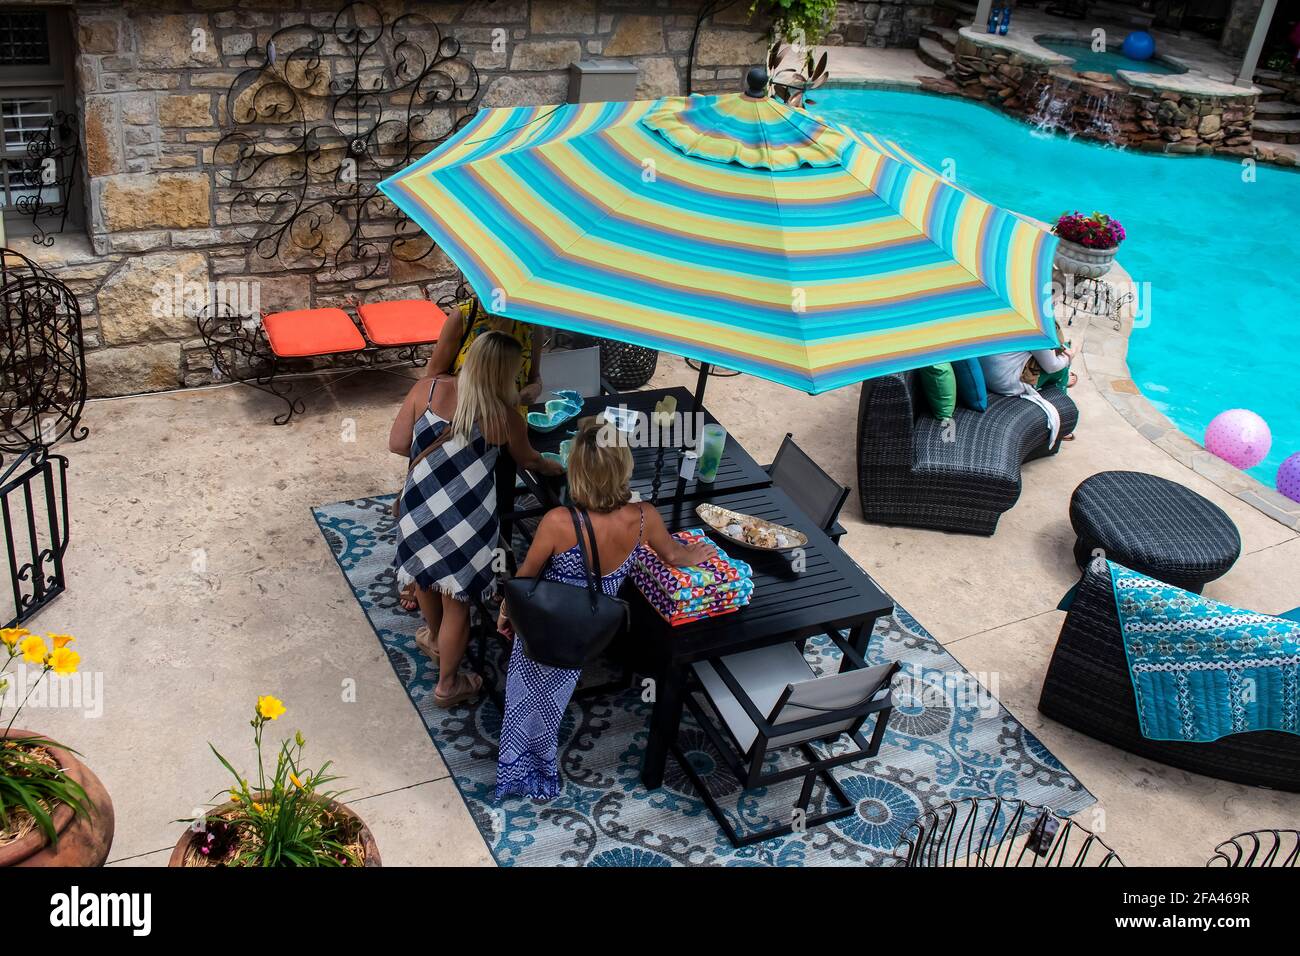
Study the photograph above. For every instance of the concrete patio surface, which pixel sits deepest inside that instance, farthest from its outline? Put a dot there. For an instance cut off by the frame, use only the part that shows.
(198, 580)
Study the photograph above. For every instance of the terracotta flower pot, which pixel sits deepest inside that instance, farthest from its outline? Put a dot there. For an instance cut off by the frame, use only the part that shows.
(368, 846)
(83, 840)
(1075, 259)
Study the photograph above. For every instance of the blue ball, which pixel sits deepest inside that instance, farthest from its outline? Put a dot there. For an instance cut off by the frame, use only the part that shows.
(1138, 45)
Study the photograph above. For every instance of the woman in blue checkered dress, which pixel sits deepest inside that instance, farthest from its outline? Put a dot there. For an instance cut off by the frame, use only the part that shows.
(452, 430)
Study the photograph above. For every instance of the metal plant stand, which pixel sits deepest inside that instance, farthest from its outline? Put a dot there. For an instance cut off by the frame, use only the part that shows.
(989, 831)
(50, 177)
(42, 395)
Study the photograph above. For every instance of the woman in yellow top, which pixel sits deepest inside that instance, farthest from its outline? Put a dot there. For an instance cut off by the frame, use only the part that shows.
(465, 324)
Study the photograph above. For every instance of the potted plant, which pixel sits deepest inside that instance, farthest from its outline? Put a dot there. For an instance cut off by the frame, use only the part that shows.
(1088, 243)
(53, 810)
(286, 819)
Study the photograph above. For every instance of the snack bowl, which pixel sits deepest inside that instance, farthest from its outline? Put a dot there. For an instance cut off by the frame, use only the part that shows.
(748, 531)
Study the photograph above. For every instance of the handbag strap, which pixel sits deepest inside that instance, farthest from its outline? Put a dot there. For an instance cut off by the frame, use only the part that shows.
(592, 576)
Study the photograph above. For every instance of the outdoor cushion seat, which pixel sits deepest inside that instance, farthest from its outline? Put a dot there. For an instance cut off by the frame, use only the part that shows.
(403, 322)
(304, 332)
(1089, 688)
(915, 470)
(1154, 526)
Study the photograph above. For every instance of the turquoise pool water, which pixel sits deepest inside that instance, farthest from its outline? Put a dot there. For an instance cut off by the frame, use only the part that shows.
(1220, 254)
(1086, 59)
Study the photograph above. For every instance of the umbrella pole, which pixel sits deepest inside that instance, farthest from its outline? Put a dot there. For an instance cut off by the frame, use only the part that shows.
(700, 382)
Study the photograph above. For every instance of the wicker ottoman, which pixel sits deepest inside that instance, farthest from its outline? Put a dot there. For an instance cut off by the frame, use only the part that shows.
(1154, 526)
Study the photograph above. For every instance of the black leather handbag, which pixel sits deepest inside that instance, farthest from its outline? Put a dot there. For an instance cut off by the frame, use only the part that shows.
(559, 624)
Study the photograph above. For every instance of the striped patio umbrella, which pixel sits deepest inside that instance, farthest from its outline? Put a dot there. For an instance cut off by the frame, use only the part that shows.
(733, 230)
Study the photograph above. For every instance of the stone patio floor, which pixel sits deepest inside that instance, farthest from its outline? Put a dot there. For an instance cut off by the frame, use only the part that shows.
(198, 580)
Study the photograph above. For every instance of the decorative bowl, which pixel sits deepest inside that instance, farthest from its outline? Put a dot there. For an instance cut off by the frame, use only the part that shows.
(558, 411)
(731, 525)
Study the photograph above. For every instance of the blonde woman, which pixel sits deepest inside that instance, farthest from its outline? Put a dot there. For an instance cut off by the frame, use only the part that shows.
(537, 695)
(465, 323)
(447, 534)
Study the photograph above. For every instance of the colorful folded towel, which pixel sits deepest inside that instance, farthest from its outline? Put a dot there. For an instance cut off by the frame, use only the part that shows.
(681, 595)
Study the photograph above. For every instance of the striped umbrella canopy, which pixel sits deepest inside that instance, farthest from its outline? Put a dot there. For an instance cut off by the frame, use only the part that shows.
(734, 230)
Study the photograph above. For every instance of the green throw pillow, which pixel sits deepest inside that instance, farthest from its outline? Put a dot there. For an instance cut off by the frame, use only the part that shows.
(939, 383)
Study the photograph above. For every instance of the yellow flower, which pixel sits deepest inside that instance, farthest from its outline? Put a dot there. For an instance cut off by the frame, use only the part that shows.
(257, 807)
(234, 795)
(64, 661)
(269, 707)
(296, 782)
(61, 640)
(34, 650)
(10, 636)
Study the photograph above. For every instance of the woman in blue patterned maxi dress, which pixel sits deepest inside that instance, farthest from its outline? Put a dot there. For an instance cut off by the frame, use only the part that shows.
(536, 694)
(452, 430)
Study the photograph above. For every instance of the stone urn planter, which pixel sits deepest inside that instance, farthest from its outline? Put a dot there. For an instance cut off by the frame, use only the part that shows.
(1073, 259)
(83, 840)
(364, 838)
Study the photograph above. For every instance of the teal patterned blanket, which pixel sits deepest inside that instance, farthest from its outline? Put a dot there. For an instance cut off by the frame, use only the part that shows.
(1202, 670)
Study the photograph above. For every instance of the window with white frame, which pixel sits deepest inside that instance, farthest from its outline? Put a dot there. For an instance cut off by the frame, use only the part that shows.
(35, 87)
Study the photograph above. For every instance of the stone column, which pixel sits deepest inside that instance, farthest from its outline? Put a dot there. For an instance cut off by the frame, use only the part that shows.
(981, 21)
(1251, 60)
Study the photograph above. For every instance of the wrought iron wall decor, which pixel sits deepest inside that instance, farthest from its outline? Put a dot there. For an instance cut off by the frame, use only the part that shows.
(42, 395)
(318, 117)
(50, 176)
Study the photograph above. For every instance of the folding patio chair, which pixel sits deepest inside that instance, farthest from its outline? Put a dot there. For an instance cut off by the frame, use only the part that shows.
(770, 701)
(575, 369)
(816, 493)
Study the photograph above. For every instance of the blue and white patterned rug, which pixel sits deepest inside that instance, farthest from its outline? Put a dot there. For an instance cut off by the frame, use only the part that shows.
(948, 739)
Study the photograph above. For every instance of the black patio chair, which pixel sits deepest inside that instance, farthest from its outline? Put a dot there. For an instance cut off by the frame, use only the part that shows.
(1258, 849)
(769, 700)
(992, 832)
(816, 493)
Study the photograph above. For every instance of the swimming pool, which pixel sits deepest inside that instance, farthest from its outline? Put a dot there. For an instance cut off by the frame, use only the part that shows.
(1085, 58)
(1218, 251)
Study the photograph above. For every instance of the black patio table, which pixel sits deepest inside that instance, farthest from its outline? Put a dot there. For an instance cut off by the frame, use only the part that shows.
(787, 605)
(737, 471)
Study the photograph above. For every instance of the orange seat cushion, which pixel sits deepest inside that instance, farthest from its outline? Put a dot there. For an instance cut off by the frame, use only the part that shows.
(305, 332)
(404, 322)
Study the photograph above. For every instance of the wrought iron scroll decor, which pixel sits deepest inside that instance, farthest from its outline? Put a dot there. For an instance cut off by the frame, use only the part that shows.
(50, 176)
(319, 116)
(42, 394)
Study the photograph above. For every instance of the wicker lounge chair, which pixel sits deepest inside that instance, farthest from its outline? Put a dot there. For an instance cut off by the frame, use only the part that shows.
(1088, 688)
(914, 470)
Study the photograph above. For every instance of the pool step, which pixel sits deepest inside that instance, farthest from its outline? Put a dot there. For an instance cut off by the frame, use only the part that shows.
(1278, 131)
(932, 53)
(946, 37)
(1267, 94)
(1277, 110)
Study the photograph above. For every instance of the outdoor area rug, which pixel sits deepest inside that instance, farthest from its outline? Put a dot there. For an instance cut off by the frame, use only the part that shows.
(948, 738)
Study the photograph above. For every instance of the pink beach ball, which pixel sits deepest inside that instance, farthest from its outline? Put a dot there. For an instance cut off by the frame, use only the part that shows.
(1239, 437)
(1288, 477)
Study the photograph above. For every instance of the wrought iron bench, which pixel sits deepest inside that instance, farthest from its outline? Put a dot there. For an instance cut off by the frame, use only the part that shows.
(260, 352)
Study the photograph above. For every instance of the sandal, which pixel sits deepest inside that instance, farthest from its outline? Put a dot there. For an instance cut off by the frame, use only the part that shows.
(406, 598)
(426, 642)
(467, 688)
